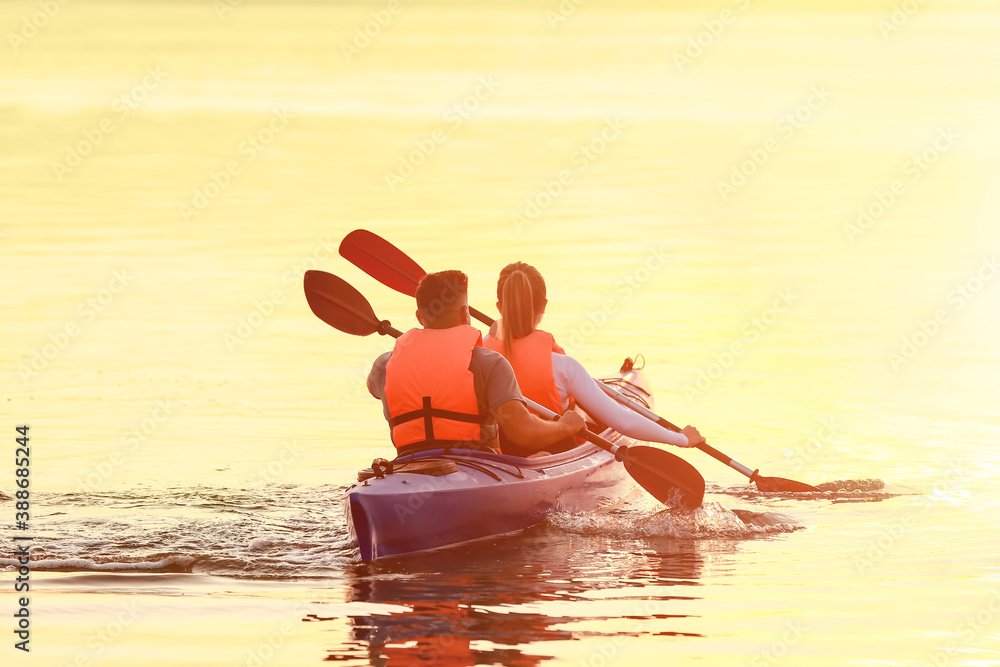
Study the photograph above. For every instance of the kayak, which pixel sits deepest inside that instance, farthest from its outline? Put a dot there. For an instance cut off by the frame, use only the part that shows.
(455, 496)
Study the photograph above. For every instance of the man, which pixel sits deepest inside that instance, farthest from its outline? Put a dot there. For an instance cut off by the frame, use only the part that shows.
(440, 388)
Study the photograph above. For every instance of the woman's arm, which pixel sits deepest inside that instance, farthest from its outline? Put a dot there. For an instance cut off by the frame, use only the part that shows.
(573, 378)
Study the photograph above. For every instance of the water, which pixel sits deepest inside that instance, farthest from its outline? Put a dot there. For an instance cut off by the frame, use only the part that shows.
(193, 424)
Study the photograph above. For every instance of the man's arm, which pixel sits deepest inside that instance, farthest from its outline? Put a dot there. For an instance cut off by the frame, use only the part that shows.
(504, 399)
(531, 432)
(376, 378)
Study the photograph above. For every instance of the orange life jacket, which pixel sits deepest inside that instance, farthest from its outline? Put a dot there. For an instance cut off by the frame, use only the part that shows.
(429, 389)
(531, 358)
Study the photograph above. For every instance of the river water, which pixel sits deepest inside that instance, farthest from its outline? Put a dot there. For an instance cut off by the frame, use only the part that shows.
(791, 214)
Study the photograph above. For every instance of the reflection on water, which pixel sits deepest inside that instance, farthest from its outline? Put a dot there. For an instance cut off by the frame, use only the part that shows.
(502, 601)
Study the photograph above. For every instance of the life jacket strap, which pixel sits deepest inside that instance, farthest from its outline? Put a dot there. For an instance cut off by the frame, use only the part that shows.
(427, 413)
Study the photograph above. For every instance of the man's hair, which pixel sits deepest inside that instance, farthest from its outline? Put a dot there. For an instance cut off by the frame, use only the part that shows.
(438, 292)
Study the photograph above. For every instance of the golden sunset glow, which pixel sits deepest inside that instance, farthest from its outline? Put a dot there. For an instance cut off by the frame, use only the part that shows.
(792, 212)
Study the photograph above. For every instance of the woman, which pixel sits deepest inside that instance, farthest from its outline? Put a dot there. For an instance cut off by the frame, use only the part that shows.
(547, 375)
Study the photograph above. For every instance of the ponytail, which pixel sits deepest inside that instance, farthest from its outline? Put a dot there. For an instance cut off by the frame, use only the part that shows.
(521, 293)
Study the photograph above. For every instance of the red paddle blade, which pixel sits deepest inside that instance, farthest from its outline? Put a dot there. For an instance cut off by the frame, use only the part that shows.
(338, 304)
(382, 261)
(668, 478)
(780, 484)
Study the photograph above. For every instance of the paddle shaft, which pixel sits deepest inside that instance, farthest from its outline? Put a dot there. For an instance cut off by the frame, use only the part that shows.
(482, 317)
(652, 416)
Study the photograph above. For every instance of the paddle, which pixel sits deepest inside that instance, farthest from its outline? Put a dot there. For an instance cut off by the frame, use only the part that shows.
(388, 264)
(668, 478)
(767, 484)
(392, 267)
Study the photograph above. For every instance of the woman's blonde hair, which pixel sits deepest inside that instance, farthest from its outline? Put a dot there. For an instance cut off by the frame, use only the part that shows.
(521, 293)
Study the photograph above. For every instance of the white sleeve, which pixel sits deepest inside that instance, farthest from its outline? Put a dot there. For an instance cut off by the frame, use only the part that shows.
(573, 380)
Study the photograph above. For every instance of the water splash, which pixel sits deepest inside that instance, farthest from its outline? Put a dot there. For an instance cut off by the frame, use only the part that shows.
(839, 491)
(845, 485)
(710, 521)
